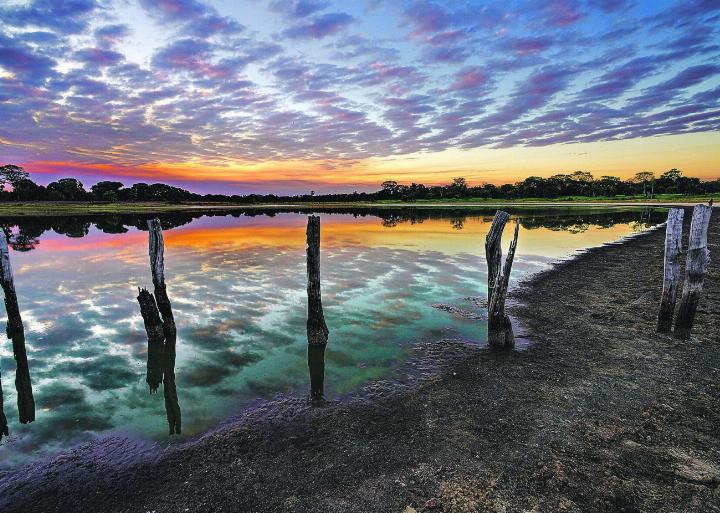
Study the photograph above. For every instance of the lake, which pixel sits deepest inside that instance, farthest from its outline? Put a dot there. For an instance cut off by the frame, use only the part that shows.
(237, 283)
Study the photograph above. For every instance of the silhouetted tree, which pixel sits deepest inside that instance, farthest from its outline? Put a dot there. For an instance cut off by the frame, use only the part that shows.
(10, 173)
(106, 191)
(68, 189)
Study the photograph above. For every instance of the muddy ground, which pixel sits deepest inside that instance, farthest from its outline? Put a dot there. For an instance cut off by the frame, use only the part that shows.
(600, 414)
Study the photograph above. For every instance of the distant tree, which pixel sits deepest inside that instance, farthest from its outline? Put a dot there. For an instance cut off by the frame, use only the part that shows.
(606, 186)
(390, 188)
(582, 176)
(645, 177)
(459, 183)
(673, 175)
(27, 190)
(458, 188)
(68, 189)
(10, 173)
(106, 191)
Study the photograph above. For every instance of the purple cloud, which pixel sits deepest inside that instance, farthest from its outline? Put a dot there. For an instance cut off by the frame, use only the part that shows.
(64, 16)
(608, 6)
(98, 57)
(426, 18)
(25, 63)
(110, 35)
(471, 78)
(612, 84)
(666, 91)
(298, 8)
(561, 13)
(176, 10)
(529, 45)
(320, 27)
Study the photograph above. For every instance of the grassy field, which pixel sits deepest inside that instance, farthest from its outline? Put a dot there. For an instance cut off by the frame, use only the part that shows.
(72, 208)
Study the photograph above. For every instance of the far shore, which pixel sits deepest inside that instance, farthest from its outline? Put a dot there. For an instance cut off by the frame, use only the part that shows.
(47, 208)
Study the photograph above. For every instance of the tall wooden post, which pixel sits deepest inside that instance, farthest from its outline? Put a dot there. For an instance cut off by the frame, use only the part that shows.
(698, 260)
(157, 264)
(16, 332)
(500, 332)
(317, 330)
(671, 277)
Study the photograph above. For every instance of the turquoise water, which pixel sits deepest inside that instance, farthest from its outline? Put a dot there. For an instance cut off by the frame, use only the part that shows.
(237, 286)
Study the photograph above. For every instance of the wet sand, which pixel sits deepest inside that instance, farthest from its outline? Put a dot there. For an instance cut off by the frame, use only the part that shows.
(599, 414)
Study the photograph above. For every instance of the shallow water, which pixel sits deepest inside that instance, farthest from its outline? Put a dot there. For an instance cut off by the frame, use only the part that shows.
(237, 287)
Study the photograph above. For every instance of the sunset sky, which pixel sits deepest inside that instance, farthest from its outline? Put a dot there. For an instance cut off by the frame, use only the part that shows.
(286, 96)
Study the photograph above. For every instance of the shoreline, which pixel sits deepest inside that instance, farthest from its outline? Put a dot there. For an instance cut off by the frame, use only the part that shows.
(42, 209)
(598, 414)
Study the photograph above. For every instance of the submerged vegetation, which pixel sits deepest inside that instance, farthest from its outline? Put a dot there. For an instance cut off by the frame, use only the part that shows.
(16, 186)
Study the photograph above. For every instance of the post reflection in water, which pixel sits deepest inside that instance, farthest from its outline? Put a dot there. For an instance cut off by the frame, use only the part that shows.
(161, 332)
(240, 306)
(317, 330)
(16, 332)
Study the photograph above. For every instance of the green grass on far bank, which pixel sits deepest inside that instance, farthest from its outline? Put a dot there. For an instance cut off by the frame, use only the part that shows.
(657, 199)
(44, 208)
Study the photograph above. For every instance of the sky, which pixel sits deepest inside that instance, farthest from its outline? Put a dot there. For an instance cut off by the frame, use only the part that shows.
(288, 96)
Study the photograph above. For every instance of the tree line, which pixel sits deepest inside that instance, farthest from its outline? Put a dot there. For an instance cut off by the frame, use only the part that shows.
(23, 233)
(16, 185)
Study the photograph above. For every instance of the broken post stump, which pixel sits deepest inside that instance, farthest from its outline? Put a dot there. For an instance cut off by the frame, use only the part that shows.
(16, 332)
(155, 336)
(671, 275)
(500, 332)
(696, 265)
(317, 330)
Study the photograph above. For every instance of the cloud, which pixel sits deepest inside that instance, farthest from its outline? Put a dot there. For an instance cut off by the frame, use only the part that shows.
(529, 45)
(26, 64)
(666, 91)
(562, 13)
(613, 83)
(298, 8)
(175, 10)
(98, 57)
(320, 26)
(469, 78)
(109, 35)
(426, 18)
(63, 16)
(200, 20)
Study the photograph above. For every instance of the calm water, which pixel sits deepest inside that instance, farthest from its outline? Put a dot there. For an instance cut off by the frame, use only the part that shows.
(237, 286)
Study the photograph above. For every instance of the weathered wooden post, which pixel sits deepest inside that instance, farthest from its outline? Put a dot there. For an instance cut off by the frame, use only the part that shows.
(160, 328)
(500, 332)
(317, 330)
(698, 260)
(16, 332)
(493, 249)
(157, 264)
(671, 277)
